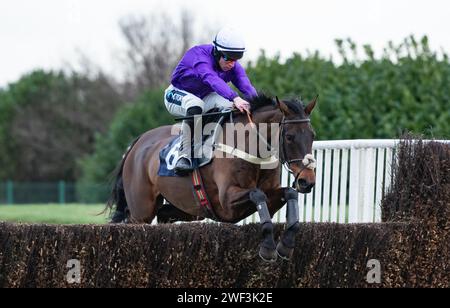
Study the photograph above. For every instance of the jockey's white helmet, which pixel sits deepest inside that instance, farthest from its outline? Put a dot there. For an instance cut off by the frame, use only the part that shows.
(230, 43)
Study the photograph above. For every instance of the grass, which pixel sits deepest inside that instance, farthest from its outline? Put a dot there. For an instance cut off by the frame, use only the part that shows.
(54, 213)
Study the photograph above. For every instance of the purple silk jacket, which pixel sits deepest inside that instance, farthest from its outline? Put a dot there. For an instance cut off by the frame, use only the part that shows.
(197, 73)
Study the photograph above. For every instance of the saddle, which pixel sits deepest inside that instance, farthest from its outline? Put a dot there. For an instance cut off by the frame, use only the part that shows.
(168, 156)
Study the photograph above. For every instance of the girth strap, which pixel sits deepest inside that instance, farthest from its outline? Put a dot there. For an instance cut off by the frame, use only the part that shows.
(200, 194)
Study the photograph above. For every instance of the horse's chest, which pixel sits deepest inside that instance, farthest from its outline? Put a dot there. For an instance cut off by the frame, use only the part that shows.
(246, 176)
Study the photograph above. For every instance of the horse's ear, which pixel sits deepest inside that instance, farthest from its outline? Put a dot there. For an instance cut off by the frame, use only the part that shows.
(309, 108)
(282, 106)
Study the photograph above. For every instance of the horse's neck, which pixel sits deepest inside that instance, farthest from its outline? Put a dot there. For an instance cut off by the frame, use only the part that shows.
(253, 142)
(264, 115)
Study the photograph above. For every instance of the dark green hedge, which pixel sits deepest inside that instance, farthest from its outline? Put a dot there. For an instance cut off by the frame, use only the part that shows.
(366, 96)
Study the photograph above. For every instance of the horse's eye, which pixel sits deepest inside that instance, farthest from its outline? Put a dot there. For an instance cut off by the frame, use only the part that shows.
(290, 138)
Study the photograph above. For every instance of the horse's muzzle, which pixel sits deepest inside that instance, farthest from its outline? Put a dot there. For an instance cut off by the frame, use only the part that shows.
(303, 186)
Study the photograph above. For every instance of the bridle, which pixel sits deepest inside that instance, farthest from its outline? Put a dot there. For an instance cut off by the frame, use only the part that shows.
(307, 162)
(310, 162)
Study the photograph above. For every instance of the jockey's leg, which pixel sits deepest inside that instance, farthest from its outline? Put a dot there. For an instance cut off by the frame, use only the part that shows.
(214, 100)
(184, 163)
(181, 103)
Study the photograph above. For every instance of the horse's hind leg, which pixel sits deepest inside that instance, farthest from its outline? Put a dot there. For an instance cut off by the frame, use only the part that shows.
(142, 202)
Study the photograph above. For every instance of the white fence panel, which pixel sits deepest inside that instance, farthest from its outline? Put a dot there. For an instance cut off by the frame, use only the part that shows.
(317, 193)
(301, 207)
(343, 195)
(381, 153)
(326, 187)
(351, 179)
(354, 188)
(334, 214)
(368, 196)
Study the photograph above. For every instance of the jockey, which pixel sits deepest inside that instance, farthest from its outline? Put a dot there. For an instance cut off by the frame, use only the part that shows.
(199, 84)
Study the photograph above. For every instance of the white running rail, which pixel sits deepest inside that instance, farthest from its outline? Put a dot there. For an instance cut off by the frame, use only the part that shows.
(352, 177)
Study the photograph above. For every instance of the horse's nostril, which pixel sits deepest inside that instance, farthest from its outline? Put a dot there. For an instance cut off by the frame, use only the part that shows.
(302, 183)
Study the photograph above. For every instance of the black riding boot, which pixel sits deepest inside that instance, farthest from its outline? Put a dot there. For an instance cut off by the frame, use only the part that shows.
(184, 163)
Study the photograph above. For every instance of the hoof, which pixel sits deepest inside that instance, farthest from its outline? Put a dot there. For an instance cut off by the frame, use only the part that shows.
(284, 252)
(267, 254)
(118, 217)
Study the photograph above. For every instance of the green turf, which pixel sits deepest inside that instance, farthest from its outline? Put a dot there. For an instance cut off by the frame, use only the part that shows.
(54, 213)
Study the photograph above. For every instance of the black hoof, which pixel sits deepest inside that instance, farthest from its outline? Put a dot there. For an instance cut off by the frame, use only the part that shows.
(267, 254)
(118, 217)
(284, 252)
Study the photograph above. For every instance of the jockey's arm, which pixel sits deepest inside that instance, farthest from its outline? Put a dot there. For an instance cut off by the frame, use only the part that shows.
(242, 82)
(211, 78)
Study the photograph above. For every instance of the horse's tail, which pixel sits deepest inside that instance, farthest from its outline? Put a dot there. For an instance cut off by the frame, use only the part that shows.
(117, 196)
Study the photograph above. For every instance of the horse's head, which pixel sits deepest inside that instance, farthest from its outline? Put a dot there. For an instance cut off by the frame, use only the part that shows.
(296, 139)
(296, 136)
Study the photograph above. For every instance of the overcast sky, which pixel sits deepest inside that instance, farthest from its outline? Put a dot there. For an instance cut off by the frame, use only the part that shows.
(48, 33)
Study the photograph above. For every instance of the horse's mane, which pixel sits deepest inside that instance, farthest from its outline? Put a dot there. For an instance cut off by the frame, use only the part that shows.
(263, 100)
(296, 105)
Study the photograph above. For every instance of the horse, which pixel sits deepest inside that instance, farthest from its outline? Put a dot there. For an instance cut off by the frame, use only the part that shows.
(236, 188)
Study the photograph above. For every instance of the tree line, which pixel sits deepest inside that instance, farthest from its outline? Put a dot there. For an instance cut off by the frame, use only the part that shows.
(50, 120)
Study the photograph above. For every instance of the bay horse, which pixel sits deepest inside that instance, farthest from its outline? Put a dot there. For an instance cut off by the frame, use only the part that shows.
(236, 188)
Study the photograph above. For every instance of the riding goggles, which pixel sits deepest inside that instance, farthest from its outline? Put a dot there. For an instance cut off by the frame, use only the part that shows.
(228, 59)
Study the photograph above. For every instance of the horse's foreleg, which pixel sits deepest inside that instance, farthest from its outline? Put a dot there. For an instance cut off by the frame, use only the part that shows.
(286, 244)
(267, 250)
